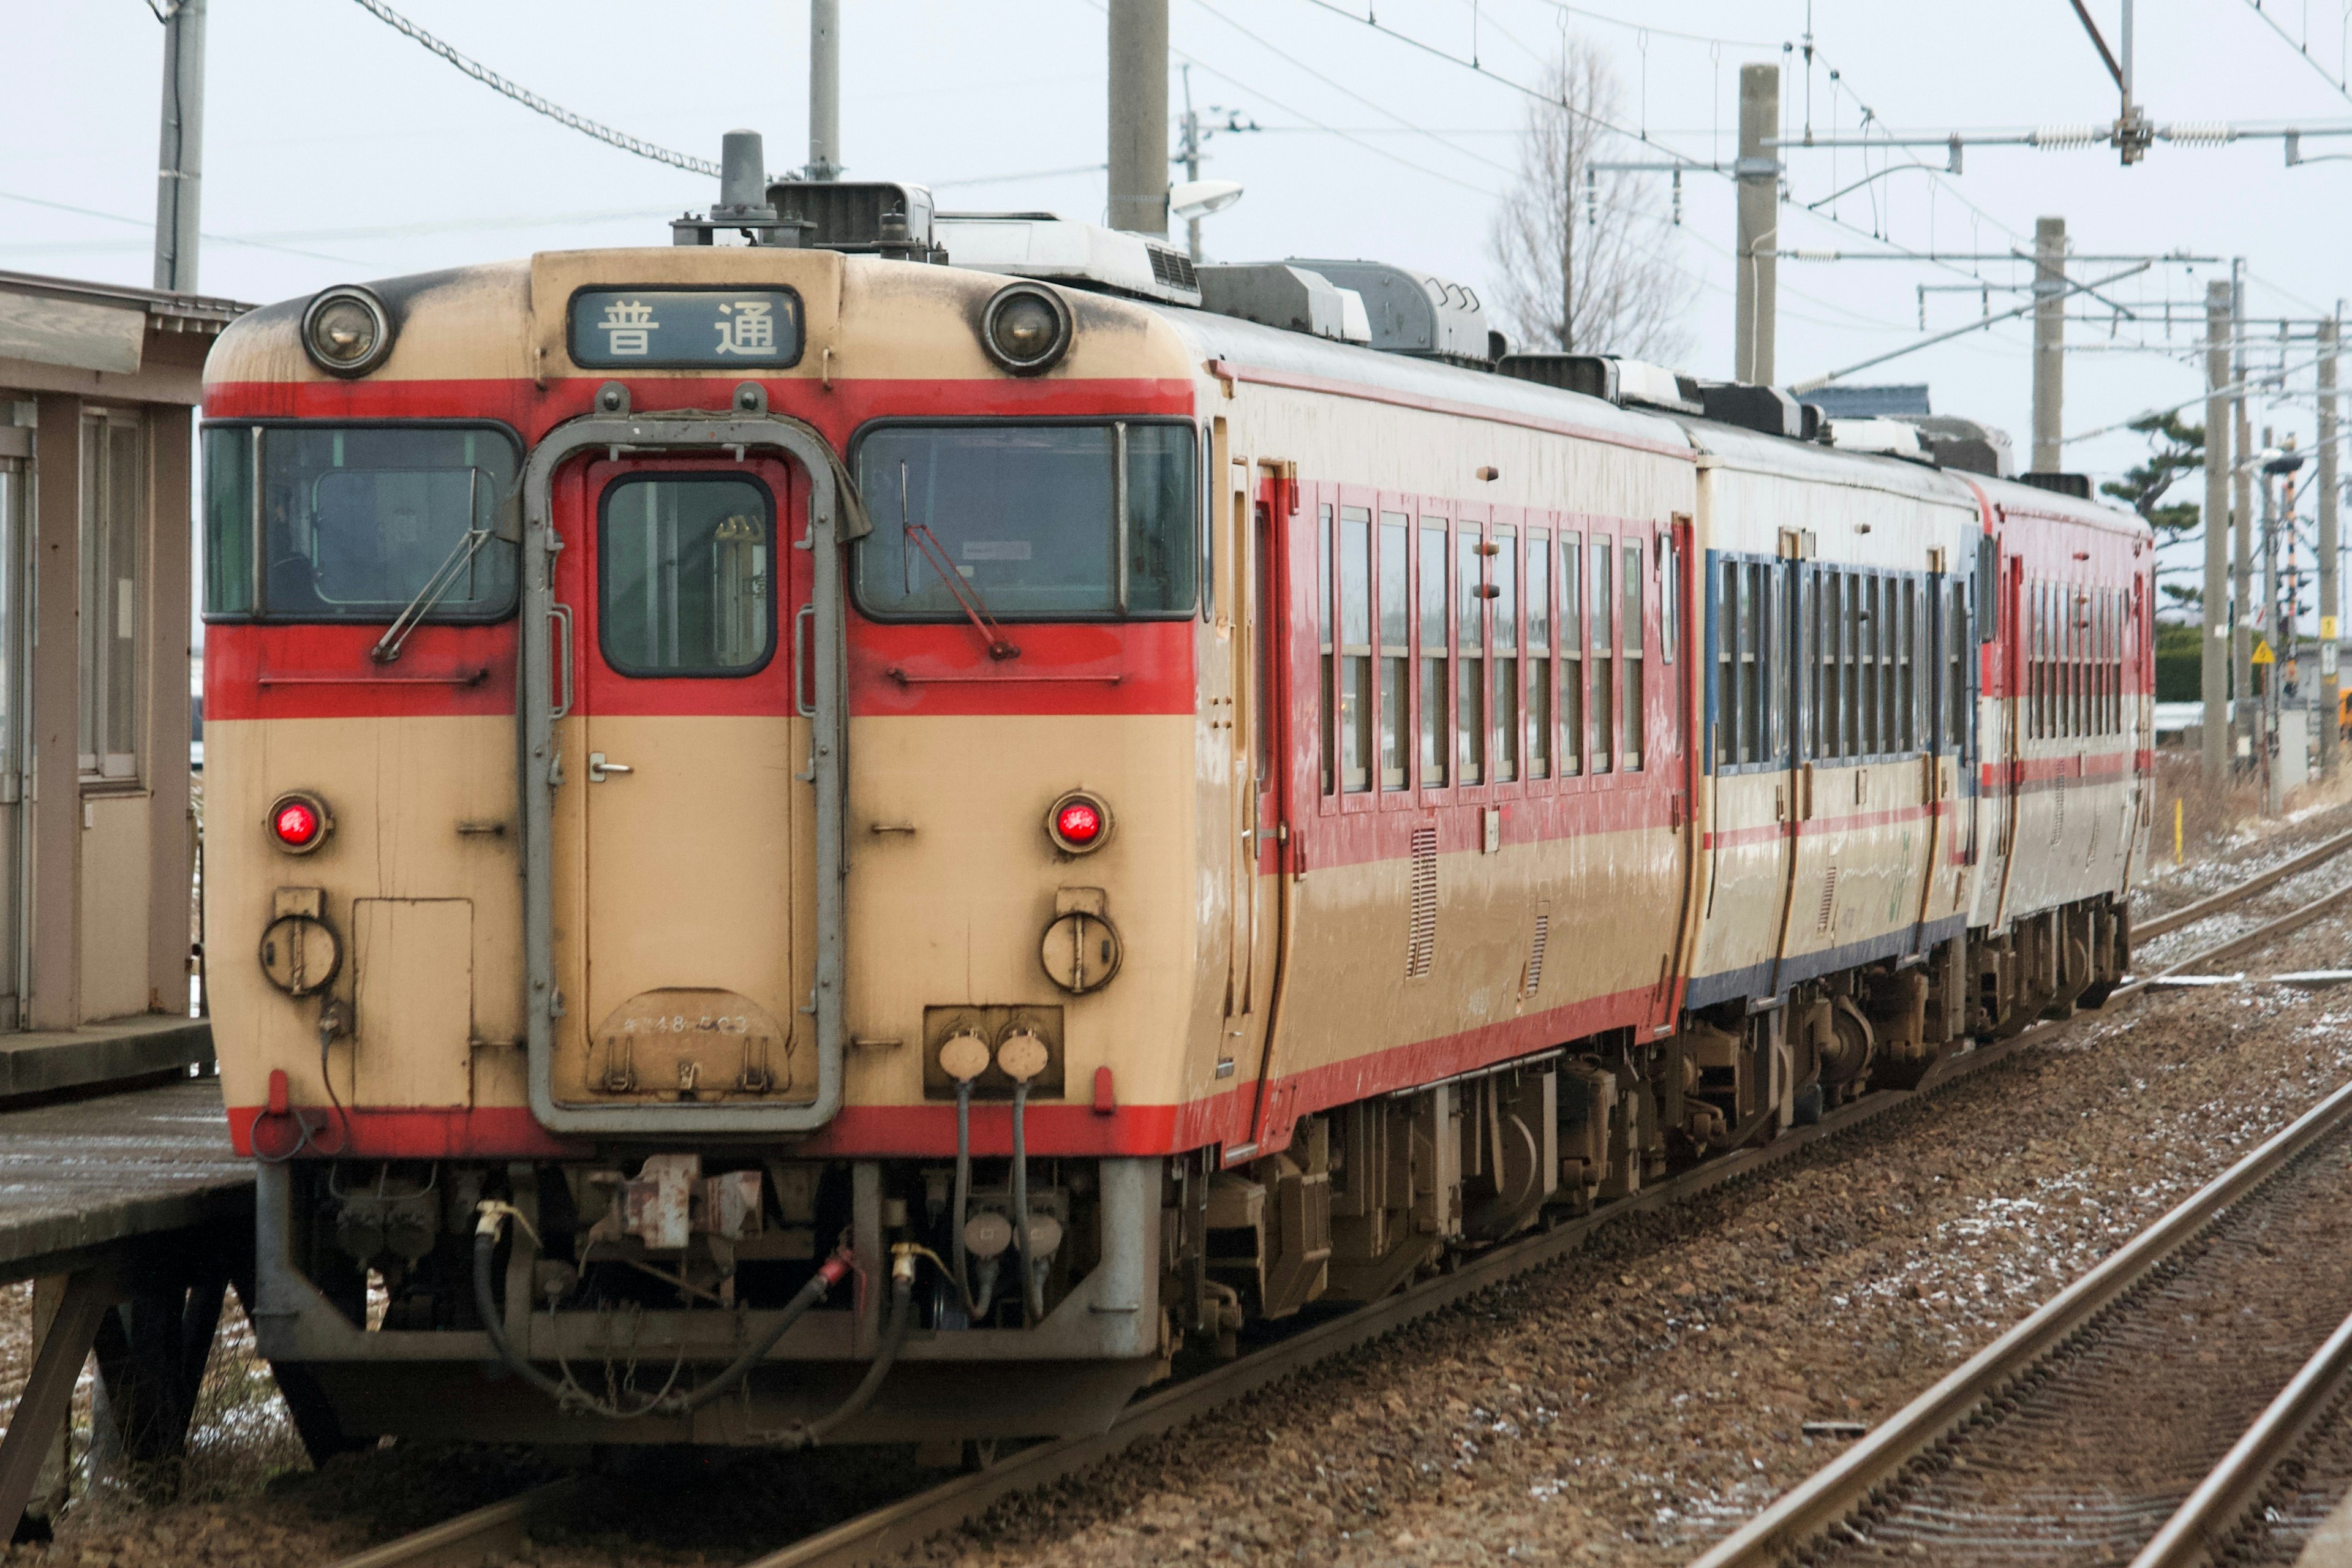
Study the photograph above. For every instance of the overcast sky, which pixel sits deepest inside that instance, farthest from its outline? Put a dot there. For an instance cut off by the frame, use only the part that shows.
(335, 148)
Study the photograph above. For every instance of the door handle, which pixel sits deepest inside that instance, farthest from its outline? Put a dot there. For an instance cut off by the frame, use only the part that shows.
(598, 768)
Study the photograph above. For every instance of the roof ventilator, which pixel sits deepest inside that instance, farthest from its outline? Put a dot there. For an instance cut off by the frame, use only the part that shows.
(2075, 485)
(873, 218)
(1273, 294)
(1627, 383)
(1415, 313)
(1081, 254)
(1879, 438)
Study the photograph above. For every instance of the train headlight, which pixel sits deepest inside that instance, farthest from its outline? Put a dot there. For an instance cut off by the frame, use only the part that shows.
(299, 823)
(1026, 327)
(1078, 823)
(346, 331)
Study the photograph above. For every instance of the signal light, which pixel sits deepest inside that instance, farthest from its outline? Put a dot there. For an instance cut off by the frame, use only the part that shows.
(1078, 823)
(299, 823)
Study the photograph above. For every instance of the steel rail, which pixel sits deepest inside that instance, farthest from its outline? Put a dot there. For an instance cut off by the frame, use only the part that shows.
(2189, 914)
(2245, 942)
(885, 1532)
(1842, 1486)
(2198, 1533)
(487, 1535)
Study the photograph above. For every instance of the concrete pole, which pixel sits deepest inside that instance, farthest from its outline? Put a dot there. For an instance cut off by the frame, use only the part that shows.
(2049, 343)
(1189, 148)
(2213, 664)
(1757, 311)
(824, 90)
(2268, 741)
(179, 177)
(2241, 540)
(1138, 116)
(2330, 628)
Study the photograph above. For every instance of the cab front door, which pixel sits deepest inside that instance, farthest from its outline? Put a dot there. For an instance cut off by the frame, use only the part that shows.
(686, 809)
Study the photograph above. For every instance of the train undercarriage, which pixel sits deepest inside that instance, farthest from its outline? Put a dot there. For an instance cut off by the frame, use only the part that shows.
(727, 1297)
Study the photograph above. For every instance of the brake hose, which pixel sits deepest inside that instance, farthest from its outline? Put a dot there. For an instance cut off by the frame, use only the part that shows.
(1033, 1286)
(962, 1187)
(808, 1434)
(486, 1230)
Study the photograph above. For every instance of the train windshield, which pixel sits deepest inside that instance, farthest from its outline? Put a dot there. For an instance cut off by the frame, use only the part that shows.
(354, 522)
(1040, 522)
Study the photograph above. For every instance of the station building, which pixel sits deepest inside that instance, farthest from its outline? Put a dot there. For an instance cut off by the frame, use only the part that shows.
(98, 388)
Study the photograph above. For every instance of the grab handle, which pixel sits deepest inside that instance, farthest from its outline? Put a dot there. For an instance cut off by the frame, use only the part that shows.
(561, 616)
(802, 646)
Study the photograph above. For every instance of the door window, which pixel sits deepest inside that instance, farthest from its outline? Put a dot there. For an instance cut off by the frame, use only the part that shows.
(686, 579)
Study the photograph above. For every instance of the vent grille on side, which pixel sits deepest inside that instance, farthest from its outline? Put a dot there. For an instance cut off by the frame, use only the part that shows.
(1535, 956)
(1420, 946)
(1172, 268)
(1829, 900)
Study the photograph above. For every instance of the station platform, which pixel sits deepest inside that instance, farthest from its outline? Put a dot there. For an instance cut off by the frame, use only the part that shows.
(83, 1179)
(53, 1061)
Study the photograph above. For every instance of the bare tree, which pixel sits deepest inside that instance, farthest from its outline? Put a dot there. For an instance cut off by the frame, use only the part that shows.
(1586, 267)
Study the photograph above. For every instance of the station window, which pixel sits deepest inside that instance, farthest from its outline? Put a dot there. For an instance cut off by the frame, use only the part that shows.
(1470, 630)
(1436, 738)
(1540, 664)
(1355, 648)
(113, 535)
(1396, 648)
(1604, 670)
(1503, 567)
(1571, 652)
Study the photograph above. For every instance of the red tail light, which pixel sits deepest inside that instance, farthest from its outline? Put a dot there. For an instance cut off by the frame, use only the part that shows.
(299, 823)
(1078, 823)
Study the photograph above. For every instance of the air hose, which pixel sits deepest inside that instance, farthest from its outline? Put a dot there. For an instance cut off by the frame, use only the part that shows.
(486, 1230)
(808, 1434)
(1033, 1284)
(962, 1188)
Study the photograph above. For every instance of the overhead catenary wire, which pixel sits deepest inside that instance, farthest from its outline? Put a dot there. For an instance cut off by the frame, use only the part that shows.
(2303, 49)
(636, 145)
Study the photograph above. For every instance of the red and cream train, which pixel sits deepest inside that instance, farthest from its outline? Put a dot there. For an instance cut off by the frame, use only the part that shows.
(748, 770)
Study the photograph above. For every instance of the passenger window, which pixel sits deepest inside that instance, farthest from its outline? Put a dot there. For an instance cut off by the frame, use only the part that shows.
(1571, 652)
(1603, 695)
(1470, 641)
(1355, 649)
(1768, 664)
(1809, 664)
(1907, 706)
(1539, 664)
(684, 575)
(1435, 737)
(1503, 564)
(1324, 611)
(1728, 687)
(1956, 677)
(1670, 597)
(1396, 653)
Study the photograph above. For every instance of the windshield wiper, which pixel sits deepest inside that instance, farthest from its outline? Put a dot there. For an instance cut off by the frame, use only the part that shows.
(967, 596)
(387, 646)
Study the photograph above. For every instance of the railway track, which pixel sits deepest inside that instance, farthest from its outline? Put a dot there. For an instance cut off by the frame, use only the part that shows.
(489, 1535)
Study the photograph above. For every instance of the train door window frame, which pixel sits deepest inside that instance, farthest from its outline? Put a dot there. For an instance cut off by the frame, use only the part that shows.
(1327, 614)
(1542, 679)
(1729, 575)
(1392, 745)
(1907, 667)
(1958, 711)
(1353, 644)
(1634, 727)
(1506, 720)
(1806, 686)
(1433, 712)
(1600, 625)
(1570, 633)
(1471, 686)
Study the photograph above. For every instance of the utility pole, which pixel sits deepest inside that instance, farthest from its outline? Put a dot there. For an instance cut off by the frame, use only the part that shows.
(2330, 632)
(2213, 661)
(1191, 153)
(179, 177)
(1138, 116)
(2241, 515)
(2049, 341)
(1758, 171)
(824, 90)
(2269, 742)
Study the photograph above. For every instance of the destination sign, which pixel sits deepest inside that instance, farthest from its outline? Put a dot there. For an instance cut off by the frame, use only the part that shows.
(613, 329)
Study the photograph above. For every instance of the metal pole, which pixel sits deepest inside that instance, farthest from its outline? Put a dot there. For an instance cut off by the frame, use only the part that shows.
(2270, 709)
(2241, 540)
(1138, 116)
(1192, 150)
(2213, 664)
(2330, 630)
(2049, 341)
(179, 178)
(1758, 170)
(824, 90)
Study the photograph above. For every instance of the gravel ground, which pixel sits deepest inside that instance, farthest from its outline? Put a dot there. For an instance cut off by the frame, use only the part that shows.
(1632, 1403)
(1625, 1406)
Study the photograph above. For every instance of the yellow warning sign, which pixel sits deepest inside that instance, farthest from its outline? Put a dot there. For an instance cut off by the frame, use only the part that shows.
(2262, 653)
(2327, 628)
